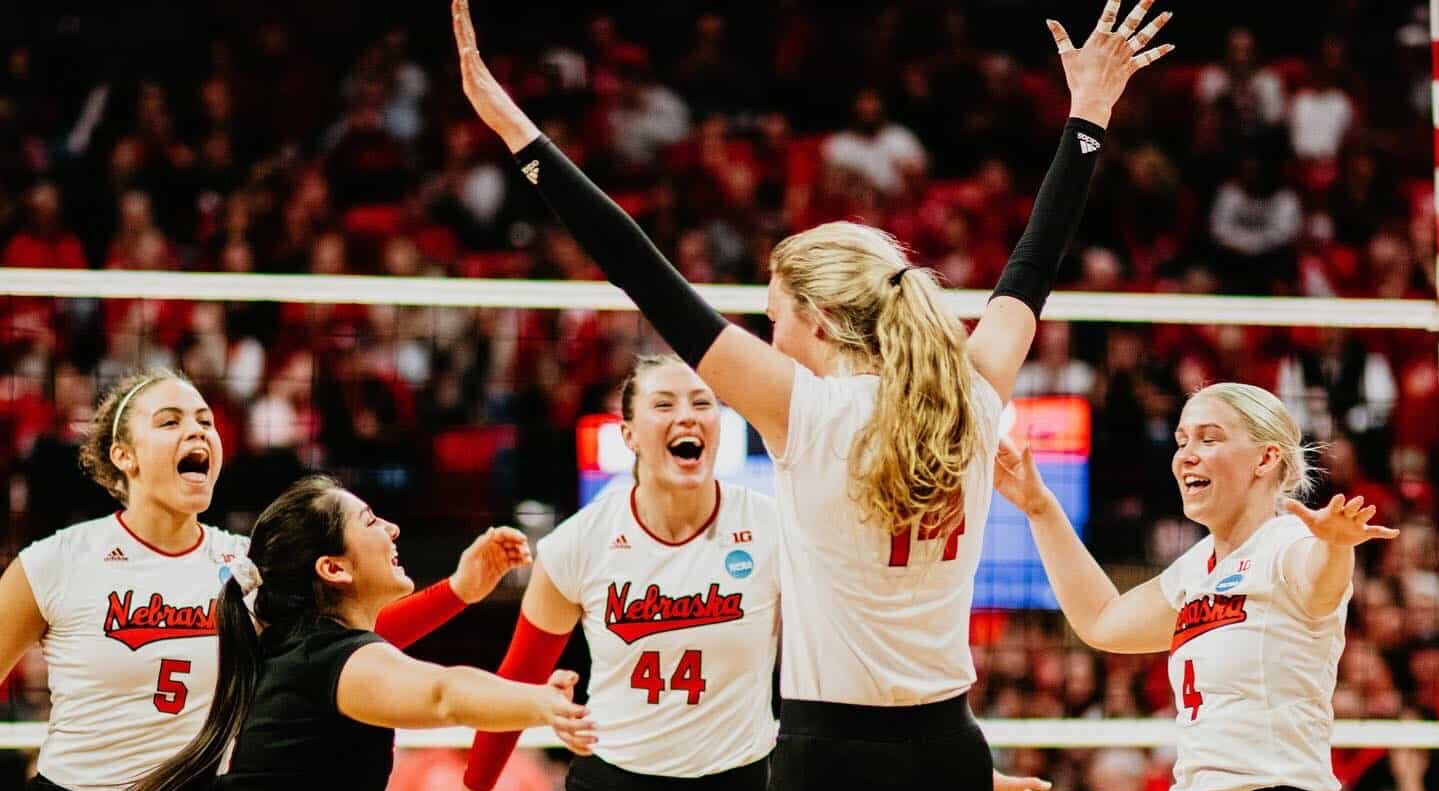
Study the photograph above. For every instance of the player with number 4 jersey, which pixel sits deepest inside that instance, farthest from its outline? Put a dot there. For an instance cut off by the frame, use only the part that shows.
(1252, 616)
(674, 583)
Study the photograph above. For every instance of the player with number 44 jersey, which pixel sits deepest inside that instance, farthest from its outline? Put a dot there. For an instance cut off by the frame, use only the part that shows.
(675, 585)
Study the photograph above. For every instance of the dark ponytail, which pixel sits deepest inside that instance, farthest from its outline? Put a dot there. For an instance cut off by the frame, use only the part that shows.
(303, 524)
(194, 767)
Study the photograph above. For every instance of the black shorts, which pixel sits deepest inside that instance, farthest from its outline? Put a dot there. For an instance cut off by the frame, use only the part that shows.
(824, 746)
(41, 783)
(589, 773)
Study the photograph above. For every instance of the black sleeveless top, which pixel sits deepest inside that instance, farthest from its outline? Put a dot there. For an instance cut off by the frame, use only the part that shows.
(295, 735)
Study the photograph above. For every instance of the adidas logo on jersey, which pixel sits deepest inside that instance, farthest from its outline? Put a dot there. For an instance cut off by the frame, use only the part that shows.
(532, 171)
(115, 554)
(1087, 144)
(620, 542)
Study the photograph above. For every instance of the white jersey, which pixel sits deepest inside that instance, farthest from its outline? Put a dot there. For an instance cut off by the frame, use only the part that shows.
(870, 618)
(682, 637)
(130, 647)
(1253, 676)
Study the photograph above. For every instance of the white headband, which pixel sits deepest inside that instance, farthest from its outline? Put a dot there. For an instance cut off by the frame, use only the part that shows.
(246, 573)
(115, 426)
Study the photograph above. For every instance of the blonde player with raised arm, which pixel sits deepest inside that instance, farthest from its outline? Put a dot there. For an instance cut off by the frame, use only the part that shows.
(882, 418)
(1252, 616)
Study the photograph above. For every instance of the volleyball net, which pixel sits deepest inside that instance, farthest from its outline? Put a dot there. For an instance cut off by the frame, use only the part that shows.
(454, 404)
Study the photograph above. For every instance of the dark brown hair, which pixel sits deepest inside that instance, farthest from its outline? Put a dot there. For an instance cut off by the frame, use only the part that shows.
(303, 524)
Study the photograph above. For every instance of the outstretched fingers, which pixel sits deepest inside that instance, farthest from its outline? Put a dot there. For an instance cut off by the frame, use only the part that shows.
(464, 28)
(1107, 18)
(1149, 56)
(1351, 508)
(1061, 36)
(1379, 531)
(1143, 37)
(1136, 16)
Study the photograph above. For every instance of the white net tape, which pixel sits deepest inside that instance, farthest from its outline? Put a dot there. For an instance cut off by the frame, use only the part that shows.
(1000, 733)
(1066, 306)
(541, 294)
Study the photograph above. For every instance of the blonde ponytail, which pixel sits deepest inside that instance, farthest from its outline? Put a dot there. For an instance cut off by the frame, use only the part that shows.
(907, 464)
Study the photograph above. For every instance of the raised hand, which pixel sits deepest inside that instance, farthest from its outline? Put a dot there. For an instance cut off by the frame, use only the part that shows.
(1098, 71)
(1016, 477)
(495, 107)
(568, 719)
(486, 560)
(1341, 523)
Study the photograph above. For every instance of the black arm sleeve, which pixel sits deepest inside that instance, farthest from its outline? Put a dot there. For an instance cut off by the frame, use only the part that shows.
(1029, 275)
(628, 258)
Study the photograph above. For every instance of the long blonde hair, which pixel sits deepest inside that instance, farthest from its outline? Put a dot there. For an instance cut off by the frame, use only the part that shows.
(1268, 422)
(907, 464)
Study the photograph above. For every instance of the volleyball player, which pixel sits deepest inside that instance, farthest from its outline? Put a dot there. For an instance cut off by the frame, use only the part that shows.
(124, 606)
(1252, 616)
(674, 582)
(313, 699)
(882, 420)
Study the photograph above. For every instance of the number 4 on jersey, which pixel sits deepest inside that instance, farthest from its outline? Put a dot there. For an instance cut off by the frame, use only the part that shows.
(1191, 698)
(688, 676)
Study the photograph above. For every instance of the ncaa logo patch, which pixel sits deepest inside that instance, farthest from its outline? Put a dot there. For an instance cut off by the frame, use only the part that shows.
(739, 564)
(1228, 582)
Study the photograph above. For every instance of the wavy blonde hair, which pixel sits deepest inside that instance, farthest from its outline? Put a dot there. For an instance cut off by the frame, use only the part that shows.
(1268, 422)
(907, 464)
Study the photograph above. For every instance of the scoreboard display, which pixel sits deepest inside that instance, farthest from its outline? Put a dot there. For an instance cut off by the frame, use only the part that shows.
(1010, 574)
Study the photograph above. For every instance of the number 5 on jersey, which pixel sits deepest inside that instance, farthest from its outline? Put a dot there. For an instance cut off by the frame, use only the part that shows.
(170, 692)
(688, 676)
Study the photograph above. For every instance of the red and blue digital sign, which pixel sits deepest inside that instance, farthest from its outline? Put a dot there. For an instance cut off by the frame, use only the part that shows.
(1010, 574)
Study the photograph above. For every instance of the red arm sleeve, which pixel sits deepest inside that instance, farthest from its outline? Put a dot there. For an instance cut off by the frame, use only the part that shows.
(416, 615)
(531, 657)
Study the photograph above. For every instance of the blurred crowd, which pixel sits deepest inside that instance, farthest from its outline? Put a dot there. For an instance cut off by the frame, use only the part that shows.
(1285, 158)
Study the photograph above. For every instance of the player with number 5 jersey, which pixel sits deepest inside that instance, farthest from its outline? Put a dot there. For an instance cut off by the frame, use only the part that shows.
(1252, 616)
(674, 583)
(124, 607)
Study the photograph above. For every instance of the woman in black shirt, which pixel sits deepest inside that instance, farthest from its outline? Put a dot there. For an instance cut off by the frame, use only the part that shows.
(313, 699)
